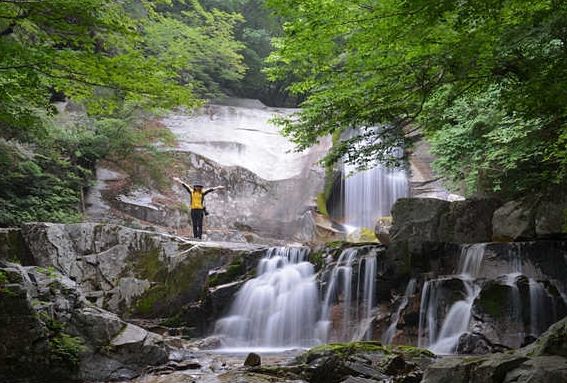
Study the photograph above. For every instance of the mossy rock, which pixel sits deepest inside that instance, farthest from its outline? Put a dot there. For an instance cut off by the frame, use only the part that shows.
(344, 350)
(233, 272)
(362, 235)
(176, 286)
(494, 300)
(13, 247)
(317, 259)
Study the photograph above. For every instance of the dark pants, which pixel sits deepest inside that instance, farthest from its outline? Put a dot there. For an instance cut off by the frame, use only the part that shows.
(197, 218)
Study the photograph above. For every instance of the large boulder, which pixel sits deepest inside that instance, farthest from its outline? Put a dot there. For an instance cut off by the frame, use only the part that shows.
(382, 230)
(531, 218)
(419, 220)
(514, 221)
(337, 362)
(50, 332)
(317, 228)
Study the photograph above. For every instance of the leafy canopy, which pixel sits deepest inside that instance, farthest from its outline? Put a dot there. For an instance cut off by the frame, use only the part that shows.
(423, 64)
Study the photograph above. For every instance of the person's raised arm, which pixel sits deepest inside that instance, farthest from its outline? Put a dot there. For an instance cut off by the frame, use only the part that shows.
(214, 189)
(189, 189)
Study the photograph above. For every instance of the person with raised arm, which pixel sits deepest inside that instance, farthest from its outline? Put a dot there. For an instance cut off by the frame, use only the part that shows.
(198, 210)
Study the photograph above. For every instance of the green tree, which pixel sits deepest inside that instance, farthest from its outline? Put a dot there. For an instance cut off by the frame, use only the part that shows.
(74, 47)
(403, 64)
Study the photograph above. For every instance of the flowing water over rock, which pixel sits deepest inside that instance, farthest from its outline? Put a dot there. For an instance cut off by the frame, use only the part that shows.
(354, 310)
(388, 335)
(370, 194)
(281, 308)
(278, 308)
(457, 320)
(509, 308)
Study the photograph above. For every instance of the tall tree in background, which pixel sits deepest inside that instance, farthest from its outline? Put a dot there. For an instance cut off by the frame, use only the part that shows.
(484, 79)
(258, 28)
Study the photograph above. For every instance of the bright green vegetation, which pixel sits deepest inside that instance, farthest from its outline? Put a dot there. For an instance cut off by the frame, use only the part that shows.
(235, 270)
(66, 350)
(483, 80)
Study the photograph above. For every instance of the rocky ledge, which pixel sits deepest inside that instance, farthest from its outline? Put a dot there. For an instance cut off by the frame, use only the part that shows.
(132, 273)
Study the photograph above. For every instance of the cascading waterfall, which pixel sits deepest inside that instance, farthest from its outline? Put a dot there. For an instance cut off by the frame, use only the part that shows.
(443, 337)
(457, 320)
(388, 336)
(278, 308)
(370, 194)
(340, 285)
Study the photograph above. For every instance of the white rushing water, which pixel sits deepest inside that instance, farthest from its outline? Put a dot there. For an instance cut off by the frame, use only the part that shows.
(457, 320)
(339, 296)
(370, 194)
(276, 309)
(388, 335)
(441, 335)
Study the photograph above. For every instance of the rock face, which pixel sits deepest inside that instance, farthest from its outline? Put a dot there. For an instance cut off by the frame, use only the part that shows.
(531, 219)
(361, 362)
(50, 331)
(420, 220)
(268, 184)
(129, 272)
(382, 230)
(424, 182)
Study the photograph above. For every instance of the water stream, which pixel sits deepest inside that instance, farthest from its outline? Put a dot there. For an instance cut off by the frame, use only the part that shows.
(278, 308)
(370, 194)
(388, 336)
(443, 339)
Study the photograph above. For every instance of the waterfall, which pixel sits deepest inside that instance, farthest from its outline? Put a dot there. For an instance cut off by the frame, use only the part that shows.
(370, 194)
(457, 320)
(340, 285)
(540, 300)
(276, 309)
(368, 297)
(388, 335)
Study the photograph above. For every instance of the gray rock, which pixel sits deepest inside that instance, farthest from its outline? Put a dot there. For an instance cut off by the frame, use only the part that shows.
(49, 330)
(491, 368)
(531, 218)
(543, 369)
(474, 344)
(131, 271)
(553, 342)
(419, 220)
(513, 221)
(253, 360)
(382, 230)
(222, 296)
(354, 379)
(550, 221)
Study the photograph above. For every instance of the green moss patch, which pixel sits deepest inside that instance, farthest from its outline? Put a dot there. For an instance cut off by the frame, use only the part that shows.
(232, 273)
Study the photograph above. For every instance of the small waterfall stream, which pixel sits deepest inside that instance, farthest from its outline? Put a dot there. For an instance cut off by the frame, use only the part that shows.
(441, 335)
(339, 296)
(276, 309)
(370, 194)
(388, 335)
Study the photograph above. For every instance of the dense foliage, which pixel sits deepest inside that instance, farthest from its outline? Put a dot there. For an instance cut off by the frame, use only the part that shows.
(256, 32)
(485, 80)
